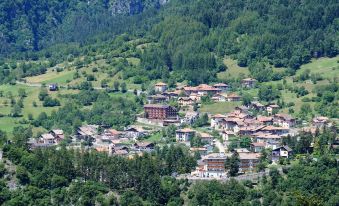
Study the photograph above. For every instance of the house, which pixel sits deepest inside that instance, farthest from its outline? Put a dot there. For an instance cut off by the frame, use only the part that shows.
(184, 135)
(87, 131)
(284, 120)
(213, 165)
(233, 97)
(156, 111)
(160, 87)
(216, 121)
(135, 132)
(202, 89)
(262, 137)
(258, 146)
(320, 121)
(226, 135)
(201, 150)
(47, 139)
(257, 106)
(223, 87)
(114, 134)
(248, 161)
(186, 101)
(171, 94)
(34, 144)
(53, 87)
(248, 83)
(144, 146)
(272, 108)
(241, 150)
(265, 120)
(275, 130)
(190, 118)
(58, 135)
(118, 150)
(281, 152)
(205, 137)
(156, 99)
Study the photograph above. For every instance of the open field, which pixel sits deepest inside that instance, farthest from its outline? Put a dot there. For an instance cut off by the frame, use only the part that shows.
(233, 70)
(219, 107)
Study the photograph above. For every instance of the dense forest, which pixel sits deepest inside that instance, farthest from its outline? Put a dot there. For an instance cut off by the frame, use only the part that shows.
(188, 35)
(82, 177)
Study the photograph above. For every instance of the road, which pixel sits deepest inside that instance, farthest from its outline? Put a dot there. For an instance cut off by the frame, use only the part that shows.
(219, 145)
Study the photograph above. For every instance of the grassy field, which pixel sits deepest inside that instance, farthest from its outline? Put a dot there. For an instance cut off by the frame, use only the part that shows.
(233, 70)
(327, 67)
(7, 123)
(219, 107)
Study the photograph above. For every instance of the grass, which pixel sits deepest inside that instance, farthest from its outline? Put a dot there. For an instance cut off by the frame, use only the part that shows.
(155, 137)
(219, 107)
(327, 67)
(233, 70)
(7, 123)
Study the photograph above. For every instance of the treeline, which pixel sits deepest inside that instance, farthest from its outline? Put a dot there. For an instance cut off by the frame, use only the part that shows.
(80, 177)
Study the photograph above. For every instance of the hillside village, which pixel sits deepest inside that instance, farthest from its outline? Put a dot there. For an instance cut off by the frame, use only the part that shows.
(247, 131)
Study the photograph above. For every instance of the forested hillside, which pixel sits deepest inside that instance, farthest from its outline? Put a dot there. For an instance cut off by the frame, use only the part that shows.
(190, 35)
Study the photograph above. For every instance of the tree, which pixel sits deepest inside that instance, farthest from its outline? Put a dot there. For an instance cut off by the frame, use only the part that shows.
(22, 93)
(22, 175)
(43, 93)
(16, 111)
(116, 85)
(123, 87)
(232, 164)
(247, 99)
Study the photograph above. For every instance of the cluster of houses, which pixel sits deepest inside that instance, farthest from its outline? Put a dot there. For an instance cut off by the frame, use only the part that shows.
(266, 131)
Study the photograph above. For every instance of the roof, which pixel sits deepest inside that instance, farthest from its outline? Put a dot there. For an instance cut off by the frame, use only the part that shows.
(249, 156)
(205, 135)
(272, 128)
(156, 106)
(58, 131)
(241, 150)
(114, 132)
(219, 116)
(160, 84)
(284, 116)
(264, 119)
(249, 79)
(144, 144)
(185, 99)
(258, 104)
(259, 144)
(47, 136)
(320, 119)
(273, 106)
(185, 130)
(193, 149)
(217, 156)
(287, 148)
(220, 85)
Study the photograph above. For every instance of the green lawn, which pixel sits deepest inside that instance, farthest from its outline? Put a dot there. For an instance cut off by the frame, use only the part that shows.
(219, 107)
(327, 67)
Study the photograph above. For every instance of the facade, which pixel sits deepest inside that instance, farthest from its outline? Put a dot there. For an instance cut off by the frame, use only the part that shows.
(154, 111)
(216, 121)
(223, 87)
(155, 99)
(144, 146)
(248, 161)
(233, 97)
(258, 146)
(281, 152)
(320, 122)
(202, 89)
(186, 101)
(248, 83)
(284, 120)
(272, 108)
(184, 135)
(213, 165)
(135, 133)
(190, 117)
(160, 87)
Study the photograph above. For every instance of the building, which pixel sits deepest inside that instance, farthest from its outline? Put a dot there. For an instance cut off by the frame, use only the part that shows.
(87, 131)
(156, 111)
(202, 89)
(53, 87)
(258, 146)
(58, 135)
(227, 135)
(272, 108)
(213, 165)
(216, 121)
(320, 122)
(190, 118)
(47, 139)
(186, 101)
(160, 87)
(156, 99)
(144, 146)
(184, 135)
(284, 120)
(205, 137)
(248, 161)
(257, 106)
(281, 152)
(265, 120)
(248, 83)
(233, 97)
(135, 132)
(223, 87)
(201, 150)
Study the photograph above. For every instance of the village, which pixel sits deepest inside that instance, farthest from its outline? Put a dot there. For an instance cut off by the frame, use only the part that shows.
(261, 124)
